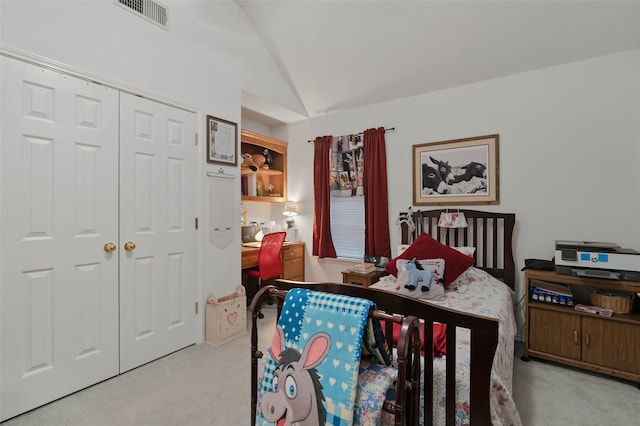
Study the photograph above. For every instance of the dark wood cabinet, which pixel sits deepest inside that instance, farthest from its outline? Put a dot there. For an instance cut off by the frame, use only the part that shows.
(609, 345)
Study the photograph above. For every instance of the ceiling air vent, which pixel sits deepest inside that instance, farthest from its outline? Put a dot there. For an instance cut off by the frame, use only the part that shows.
(150, 10)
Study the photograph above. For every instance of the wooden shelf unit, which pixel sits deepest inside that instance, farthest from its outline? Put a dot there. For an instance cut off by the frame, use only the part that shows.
(253, 143)
(608, 345)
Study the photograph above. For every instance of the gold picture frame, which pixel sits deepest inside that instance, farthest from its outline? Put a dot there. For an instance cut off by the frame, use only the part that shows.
(222, 141)
(457, 171)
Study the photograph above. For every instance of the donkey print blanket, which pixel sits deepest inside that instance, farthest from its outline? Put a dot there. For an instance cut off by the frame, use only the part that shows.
(311, 369)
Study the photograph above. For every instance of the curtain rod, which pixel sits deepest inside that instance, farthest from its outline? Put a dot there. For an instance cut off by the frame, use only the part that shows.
(362, 133)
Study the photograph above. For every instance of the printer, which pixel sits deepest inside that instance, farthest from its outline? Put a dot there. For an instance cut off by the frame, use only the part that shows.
(597, 260)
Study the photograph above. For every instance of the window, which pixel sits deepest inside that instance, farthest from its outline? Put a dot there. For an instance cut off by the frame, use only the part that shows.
(347, 226)
(347, 196)
(341, 228)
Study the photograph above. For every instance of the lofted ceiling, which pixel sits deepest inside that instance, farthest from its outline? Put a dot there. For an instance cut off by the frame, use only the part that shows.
(337, 55)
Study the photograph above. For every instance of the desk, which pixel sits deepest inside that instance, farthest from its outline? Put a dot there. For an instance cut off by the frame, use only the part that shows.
(292, 259)
(292, 255)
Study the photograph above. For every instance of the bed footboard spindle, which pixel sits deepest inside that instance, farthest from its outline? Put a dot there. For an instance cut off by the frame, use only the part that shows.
(481, 344)
(451, 376)
(427, 379)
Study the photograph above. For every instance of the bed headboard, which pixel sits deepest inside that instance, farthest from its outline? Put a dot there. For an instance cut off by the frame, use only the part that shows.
(490, 233)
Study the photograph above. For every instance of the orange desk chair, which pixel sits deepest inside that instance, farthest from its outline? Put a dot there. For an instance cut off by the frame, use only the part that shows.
(269, 260)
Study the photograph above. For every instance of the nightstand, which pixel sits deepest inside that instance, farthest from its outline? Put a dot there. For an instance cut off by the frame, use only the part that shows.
(365, 280)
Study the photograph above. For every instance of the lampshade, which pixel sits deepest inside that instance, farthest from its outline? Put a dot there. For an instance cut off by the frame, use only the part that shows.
(290, 210)
(452, 220)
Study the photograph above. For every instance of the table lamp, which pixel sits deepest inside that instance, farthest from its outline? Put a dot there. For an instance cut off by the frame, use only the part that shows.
(290, 210)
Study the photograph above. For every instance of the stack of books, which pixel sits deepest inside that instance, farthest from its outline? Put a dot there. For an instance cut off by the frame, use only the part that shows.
(363, 268)
(543, 291)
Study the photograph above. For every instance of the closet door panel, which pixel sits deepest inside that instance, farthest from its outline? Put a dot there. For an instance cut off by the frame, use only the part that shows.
(157, 215)
(59, 207)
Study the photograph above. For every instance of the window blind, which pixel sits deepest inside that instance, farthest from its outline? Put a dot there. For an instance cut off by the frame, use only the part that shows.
(347, 226)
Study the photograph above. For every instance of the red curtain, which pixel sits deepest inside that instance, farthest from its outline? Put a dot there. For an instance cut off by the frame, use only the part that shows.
(376, 200)
(322, 241)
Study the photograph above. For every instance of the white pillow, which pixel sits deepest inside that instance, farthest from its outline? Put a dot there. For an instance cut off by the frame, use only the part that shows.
(392, 284)
(469, 251)
(436, 292)
(401, 248)
(434, 265)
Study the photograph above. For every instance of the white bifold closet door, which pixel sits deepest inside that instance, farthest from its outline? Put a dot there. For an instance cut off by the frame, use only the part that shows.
(157, 215)
(86, 169)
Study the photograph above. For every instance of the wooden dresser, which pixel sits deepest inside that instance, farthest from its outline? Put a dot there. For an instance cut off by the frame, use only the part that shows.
(609, 345)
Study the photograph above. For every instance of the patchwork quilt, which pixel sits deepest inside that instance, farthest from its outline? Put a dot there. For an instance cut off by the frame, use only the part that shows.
(476, 292)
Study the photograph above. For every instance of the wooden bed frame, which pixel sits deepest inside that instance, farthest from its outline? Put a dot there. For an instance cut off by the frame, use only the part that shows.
(406, 406)
(491, 234)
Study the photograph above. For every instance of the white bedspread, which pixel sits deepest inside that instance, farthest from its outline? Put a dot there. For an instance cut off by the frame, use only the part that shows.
(475, 292)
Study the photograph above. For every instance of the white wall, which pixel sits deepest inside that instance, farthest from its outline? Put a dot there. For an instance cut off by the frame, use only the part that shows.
(569, 152)
(569, 135)
(195, 64)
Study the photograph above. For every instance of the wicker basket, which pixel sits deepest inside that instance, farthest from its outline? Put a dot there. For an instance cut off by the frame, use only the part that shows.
(619, 303)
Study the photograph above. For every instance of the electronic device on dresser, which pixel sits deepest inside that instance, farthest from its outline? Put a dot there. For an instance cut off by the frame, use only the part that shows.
(597, 260)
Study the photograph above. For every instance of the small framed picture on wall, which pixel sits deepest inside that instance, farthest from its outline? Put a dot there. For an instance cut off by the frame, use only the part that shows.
(222, 141)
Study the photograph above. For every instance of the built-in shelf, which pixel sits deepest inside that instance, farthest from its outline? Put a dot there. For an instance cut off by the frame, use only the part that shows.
(272, 180)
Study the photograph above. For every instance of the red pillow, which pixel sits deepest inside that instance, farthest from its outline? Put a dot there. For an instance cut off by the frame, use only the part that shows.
(425, 247)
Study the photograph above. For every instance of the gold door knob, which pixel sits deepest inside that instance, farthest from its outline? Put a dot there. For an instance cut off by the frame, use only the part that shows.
(109, 247)
(129, 245)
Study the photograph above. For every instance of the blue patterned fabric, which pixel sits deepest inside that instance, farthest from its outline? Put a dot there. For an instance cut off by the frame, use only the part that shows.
(305, 314)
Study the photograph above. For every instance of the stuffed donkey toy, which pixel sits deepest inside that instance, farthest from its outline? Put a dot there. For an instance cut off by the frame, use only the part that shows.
(419, 276)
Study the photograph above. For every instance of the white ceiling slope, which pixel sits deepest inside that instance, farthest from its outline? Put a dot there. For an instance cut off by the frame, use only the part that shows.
(343, 54)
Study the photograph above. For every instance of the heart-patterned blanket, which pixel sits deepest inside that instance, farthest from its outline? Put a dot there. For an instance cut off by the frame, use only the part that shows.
(311, 368)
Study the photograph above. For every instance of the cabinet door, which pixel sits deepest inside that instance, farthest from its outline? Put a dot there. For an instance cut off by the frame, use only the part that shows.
(611, 344)
(293, 262)
(556, 333)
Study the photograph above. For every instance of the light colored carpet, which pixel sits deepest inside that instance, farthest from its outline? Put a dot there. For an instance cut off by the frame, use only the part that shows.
(206, 385)
(549, 394)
